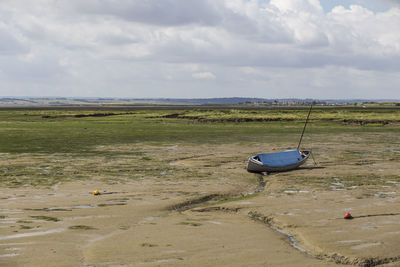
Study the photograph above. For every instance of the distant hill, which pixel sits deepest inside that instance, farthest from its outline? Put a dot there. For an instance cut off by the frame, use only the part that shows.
(57, 101)
(64, 101)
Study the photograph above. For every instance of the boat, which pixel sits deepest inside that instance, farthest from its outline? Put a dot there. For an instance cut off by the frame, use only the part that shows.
(277, 161)
(280, 161)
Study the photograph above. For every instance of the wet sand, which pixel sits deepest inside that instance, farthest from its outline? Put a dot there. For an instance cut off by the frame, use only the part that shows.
(204, 212)
(126, 229)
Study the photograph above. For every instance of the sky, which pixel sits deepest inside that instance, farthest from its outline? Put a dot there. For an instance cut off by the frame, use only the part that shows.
(322, 49)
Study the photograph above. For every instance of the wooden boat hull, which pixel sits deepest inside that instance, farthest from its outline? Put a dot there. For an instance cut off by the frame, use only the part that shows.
(255, 165)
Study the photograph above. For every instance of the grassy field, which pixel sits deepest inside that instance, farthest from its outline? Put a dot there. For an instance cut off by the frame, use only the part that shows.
(43, 146)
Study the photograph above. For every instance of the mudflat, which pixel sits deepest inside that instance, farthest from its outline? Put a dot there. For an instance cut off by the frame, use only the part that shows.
(177, 203)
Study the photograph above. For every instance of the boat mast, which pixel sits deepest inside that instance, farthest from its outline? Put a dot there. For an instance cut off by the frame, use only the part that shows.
(304, 128)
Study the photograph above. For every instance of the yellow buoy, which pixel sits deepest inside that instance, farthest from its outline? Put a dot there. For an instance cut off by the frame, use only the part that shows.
(96, 192)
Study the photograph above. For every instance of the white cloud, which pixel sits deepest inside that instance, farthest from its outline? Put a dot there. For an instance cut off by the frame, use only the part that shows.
(204, 75)
(133, 48)
(309, 6)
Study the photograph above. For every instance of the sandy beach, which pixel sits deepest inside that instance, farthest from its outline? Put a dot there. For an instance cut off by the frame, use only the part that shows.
(135, 226)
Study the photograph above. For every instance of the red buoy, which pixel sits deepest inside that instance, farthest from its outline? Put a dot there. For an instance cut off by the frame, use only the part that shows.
(348, 216)
(273, 148)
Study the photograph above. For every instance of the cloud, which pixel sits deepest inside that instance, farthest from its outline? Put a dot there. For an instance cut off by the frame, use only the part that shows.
(309, 6)
(395, 3)
(162, 13)
(106, 47)
(204, 75)
(10, 45)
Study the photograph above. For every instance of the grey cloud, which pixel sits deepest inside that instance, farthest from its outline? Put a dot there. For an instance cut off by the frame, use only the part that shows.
(392, 2)
(155, 12)
(44, 68)
(115, 39)
(239, 53)
(246, 27)
(9, 45)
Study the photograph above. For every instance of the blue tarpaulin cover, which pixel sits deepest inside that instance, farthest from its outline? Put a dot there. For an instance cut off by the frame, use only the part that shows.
(280, 159)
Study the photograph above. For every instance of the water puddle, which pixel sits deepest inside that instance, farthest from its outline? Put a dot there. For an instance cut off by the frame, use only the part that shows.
(215, 222)
(158, 261)
(149, 219)
(53, 231)
(352, 187)
(84, 207)
(365, 245)
(117, 200)
(384, 194)
(296, 191)
(58, 195)
(393, 233)
(173, 251)
(17, 244)
(7, 211)
(293, 241)
(369, 227)
(349, 241)
(336, 189)
(12, 249)
(65, 209)
(9, 220)
(287, 214)
(8, 255)
(87, 217)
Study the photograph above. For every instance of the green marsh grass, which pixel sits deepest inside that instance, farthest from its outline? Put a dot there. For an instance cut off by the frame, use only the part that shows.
(45, 146)
(81, 227)
(25, 227)
(45, 218)
(26, 131)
